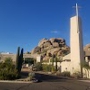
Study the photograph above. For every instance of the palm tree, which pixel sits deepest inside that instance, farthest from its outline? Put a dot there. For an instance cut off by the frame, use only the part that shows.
(52, 60)
(60, 60)
(56, 60)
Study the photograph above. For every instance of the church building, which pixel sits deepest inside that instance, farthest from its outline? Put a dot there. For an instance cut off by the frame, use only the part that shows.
(73, 62)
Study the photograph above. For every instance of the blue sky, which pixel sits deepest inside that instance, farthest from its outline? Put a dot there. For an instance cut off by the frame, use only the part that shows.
(25, 22)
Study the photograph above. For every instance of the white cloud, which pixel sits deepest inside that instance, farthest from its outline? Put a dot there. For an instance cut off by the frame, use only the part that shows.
(55, 31)
(85, 35)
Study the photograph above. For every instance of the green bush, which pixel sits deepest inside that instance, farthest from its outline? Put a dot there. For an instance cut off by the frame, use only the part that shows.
(65, 74)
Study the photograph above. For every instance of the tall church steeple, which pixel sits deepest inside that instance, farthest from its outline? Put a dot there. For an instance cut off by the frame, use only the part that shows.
(76, 42)
(76, 9)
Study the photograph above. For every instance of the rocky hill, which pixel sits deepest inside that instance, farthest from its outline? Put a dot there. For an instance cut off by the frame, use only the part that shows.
(49, 47)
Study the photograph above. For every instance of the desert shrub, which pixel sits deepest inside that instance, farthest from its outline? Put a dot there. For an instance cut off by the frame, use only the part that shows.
(65, 74)
(46, 67)
(8, 75)
(76, 75)
(49, 68)
(8, 60)
(38, 66)
(7, 70)
(31, 75)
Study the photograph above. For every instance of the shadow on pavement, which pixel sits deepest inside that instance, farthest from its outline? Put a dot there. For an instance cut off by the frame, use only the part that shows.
(49, 78)
(24, 74)
(44, 77)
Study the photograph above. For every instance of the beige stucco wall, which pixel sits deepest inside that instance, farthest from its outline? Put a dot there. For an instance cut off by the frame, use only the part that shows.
(13, 56)
(65, 66)
(39, 58)
(4, 56)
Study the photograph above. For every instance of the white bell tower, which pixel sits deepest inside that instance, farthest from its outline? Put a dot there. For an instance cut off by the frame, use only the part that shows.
(76, 43)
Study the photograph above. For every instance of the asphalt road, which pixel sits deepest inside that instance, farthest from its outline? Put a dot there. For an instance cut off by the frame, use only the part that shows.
(48, 83)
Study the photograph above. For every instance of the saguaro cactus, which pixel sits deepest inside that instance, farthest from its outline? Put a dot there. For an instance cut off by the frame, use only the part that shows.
(19, 59)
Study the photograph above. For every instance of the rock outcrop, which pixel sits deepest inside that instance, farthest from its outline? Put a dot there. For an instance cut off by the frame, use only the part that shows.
(49, 47)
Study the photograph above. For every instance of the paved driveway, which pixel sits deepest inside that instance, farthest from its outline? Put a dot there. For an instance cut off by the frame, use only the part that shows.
(48, 83)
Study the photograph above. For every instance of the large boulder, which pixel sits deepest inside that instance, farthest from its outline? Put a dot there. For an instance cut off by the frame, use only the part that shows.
(55, 44)
(47, 44)
(53, 51)
(87, 50)
(50, 47)
(52, 40)
(42, 41)
(36, 50)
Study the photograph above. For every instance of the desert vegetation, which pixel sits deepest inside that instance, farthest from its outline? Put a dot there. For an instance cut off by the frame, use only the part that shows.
(10, 70)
